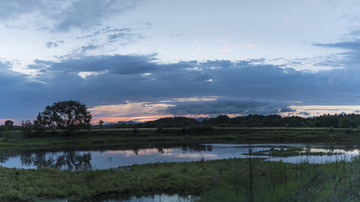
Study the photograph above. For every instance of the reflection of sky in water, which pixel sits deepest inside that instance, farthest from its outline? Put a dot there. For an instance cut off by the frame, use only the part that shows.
(115, 158)
(163, 197)
(314, 159)
(108, 159)
(15, 162)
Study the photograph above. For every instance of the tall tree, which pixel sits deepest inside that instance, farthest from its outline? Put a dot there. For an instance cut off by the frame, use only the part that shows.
(65, 115)
(9, 123)
(101, 123)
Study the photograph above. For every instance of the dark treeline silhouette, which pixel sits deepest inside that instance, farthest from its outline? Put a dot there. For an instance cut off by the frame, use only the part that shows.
(252, 120)
(63, 118)
(189, 125)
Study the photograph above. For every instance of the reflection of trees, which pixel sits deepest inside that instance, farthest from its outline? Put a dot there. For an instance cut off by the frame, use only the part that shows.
(185, 148)
(4, 156)
(71, 160)
(135, 149)
(196, 148)
(160, 150)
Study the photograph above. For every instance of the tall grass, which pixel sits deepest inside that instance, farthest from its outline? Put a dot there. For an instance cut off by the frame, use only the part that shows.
(220, 180)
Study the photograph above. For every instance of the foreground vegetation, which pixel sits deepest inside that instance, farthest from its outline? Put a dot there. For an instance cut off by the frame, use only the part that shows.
(220, 180)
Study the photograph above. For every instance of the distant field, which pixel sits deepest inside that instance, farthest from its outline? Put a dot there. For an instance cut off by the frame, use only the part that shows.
(115, 137)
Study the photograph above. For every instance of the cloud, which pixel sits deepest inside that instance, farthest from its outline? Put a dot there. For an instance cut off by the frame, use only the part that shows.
(119, 64)
(228, 106)
(105, 30)
(287, 109)
(347, 45)
(108, 38)
(15, 91)
(12, 9)
(54, 44)
(304, 113)
(244, 86)
(347, 78)
(63, 16)
(131, 77)
(89, 47)
(125, 38)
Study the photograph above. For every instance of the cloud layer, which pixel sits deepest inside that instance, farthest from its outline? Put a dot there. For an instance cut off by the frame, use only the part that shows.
(236, 106)
(241, 87)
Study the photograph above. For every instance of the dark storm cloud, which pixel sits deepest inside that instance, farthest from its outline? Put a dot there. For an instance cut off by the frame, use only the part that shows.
(228, 106)
(134, 77)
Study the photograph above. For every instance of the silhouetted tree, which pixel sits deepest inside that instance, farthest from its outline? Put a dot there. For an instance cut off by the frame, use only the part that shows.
(9, 123)
(101, 123)
(26, 128)
(65, 115)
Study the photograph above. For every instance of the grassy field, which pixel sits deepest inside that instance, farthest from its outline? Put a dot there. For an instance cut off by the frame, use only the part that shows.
(220, 180)
(115, 138)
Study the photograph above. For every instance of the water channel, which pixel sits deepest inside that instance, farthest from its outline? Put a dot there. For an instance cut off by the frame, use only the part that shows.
(111, 158)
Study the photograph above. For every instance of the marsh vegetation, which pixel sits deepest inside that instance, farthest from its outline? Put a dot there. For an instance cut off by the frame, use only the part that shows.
(218, 180)
(263, 165)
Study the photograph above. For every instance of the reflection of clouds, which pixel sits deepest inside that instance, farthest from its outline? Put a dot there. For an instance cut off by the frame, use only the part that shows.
(312, 159)
(115, 158)
(315, 110)
(129, 153)
(342, 151)
(192, 155)
(164, 152)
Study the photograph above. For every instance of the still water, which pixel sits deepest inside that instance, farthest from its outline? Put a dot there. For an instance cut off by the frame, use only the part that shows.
(105, 159)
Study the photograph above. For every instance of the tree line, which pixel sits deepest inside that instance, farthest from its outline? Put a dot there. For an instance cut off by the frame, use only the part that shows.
(256, 120)
(69, 117)
(61, 118)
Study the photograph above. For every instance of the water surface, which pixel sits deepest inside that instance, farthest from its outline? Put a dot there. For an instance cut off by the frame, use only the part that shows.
(105, 159)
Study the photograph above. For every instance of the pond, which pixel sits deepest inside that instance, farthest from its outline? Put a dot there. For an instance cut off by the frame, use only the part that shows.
(111, 158)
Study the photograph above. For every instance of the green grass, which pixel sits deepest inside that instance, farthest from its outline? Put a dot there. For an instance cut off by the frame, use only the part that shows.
(115, 138)
(220, 180)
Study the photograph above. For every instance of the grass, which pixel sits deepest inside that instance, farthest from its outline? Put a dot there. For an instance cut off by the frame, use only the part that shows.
(115, 138)
(220, 180)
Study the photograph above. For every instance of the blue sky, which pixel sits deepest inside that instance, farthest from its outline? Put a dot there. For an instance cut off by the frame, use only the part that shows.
(142, 59)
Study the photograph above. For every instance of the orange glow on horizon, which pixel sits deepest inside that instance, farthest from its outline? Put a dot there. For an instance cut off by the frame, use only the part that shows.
(3, 121)
(106, 120)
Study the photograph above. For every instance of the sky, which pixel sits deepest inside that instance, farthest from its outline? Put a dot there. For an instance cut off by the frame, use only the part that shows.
(146, 59)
